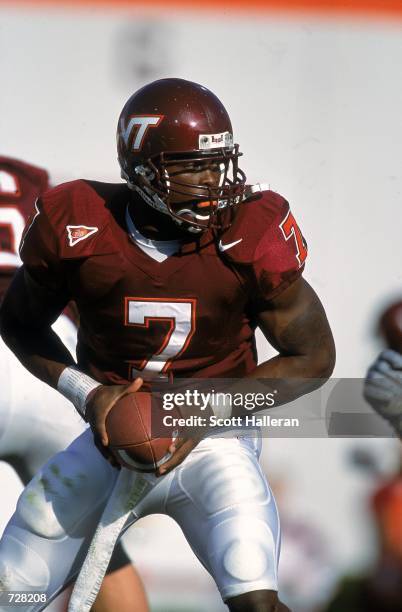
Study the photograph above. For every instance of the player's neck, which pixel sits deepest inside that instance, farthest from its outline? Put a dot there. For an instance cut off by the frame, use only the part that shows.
(155, 225)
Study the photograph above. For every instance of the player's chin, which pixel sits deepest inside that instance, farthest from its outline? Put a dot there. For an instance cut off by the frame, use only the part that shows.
(194, 214)
(198, 222)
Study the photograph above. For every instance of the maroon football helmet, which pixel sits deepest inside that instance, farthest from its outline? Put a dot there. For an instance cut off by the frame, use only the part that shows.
(173, 122)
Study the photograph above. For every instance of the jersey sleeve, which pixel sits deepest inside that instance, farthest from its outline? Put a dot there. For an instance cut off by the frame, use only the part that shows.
(70, 223)
(280, 256)
(272, 250)
(39, 250)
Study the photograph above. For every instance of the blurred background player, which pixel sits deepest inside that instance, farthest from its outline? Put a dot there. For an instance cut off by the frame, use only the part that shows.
(29, 432)
(380, 586)
(390, 326)
(383, 384)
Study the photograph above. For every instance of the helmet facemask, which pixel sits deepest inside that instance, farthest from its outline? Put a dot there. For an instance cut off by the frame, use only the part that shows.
(207, 206)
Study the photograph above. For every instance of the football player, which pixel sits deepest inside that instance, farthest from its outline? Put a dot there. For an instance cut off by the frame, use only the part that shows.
(29, 431)
(383, 383)
(171, 274)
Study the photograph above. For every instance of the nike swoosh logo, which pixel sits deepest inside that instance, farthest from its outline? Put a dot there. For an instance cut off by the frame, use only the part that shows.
(225, 247)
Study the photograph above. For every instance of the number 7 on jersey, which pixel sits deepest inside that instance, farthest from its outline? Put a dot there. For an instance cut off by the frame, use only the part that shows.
(146, 312)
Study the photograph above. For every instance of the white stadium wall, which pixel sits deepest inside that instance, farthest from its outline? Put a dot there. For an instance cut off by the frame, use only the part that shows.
(315, 100)
(315, 104)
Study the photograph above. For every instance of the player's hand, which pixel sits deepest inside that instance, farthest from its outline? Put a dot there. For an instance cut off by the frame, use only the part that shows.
(186, 440)
(98, 407)
(383, 388)
(180, 448)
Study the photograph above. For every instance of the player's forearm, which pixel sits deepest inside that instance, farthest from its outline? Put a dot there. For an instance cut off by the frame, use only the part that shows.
(40, 351)
(45, 356)
(292, 376)
(309, 366)
(288, 377)
(26, 316)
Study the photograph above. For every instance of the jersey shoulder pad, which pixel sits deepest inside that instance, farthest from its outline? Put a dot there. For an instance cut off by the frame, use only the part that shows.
(265, 229)
(79, 216)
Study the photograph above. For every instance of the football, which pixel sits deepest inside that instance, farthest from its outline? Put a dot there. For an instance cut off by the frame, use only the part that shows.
(129, 430)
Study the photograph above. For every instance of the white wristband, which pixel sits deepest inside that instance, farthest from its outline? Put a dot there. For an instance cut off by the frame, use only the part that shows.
(76, 386)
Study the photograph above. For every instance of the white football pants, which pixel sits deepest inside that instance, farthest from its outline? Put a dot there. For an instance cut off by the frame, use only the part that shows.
(218, 496)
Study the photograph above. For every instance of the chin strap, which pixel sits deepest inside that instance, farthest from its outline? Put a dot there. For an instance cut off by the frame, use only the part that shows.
(149, 196)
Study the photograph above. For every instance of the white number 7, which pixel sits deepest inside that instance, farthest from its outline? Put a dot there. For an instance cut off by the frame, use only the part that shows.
(181, 315)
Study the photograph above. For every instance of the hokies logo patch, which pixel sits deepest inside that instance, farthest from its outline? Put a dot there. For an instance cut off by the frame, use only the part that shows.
(76, 233)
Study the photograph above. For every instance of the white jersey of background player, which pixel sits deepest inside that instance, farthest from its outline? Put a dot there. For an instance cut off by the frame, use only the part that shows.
(30, 431)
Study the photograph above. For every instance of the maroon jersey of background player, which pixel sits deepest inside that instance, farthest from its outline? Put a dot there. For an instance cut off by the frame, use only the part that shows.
(190, 315)
(20, 186)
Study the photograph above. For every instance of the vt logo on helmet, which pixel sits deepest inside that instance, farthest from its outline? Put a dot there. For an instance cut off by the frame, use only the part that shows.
(134, 140)
(175, 148)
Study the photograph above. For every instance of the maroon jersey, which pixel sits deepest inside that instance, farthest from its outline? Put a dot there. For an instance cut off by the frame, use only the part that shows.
(193, 314)
(20, 185)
